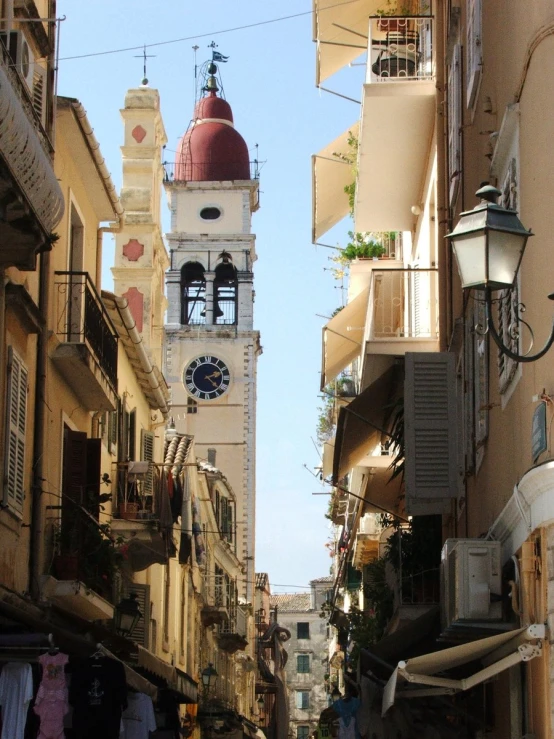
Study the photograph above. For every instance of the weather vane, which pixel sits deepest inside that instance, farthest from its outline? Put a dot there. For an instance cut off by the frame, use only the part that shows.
(144, 56)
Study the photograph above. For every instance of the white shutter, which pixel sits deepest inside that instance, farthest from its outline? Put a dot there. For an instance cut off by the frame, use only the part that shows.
(473, 49)
(39, 92)
(142, 629)
(147, 454)
(15, 443)
(430, 432)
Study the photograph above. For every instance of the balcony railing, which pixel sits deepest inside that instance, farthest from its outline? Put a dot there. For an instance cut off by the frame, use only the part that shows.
(400, 48)
(139, 489)
(201, 171)
(83, 319)
(403, 304)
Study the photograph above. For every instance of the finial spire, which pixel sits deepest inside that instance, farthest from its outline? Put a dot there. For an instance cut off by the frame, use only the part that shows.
(144, 57)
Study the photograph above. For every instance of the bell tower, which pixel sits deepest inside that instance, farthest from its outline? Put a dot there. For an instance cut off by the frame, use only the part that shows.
(211, 344)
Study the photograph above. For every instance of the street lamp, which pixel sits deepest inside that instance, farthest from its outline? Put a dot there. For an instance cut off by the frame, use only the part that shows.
(488, 243)
(127, 614)
(209, 676)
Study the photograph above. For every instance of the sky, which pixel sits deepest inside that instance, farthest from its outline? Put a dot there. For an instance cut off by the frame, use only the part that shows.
(269, 81)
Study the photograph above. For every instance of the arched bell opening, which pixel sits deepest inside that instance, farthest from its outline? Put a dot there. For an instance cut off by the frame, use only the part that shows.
(193, 294)
(225, 291)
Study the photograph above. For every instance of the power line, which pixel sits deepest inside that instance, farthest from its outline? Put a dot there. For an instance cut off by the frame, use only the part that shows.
(143, 47)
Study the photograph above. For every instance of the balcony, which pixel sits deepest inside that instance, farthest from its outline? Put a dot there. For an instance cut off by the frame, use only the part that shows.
(402, 313)
(366, 545)
(397, 122)
(232, 632)
(87, 353)
(31, 201)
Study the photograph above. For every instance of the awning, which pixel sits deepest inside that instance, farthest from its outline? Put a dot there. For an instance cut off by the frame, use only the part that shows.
(134, 680)
(184, 687)
(342, 337)
(341, 31)
(382, 493)
(327, 461)
(330, 175)
(361, 423)
(497, 653)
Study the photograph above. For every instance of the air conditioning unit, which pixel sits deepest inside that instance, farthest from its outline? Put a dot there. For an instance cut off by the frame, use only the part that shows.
(471, 585)
(21, 55)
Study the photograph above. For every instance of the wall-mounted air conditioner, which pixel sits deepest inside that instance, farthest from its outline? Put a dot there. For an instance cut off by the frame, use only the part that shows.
(471, 584)
(21, 55)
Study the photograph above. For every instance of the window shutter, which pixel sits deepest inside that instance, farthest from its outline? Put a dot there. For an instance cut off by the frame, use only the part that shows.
(92, 502)
(17, 412)
(454, 123)
(430, 432)
(142, 629)
(147, 454)
(112, 431)
(473, 51)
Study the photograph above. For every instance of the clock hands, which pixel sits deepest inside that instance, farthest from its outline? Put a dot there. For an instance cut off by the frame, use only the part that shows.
(217, 373)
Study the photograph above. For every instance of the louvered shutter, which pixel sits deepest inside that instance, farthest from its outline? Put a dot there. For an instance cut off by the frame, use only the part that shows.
(147, 454)
(17, 412)
(142, 629)
(430, 432)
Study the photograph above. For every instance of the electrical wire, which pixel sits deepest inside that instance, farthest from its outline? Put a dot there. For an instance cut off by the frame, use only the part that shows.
(142, 47)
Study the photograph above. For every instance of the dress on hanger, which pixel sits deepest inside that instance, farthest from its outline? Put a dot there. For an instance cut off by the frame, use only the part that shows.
(51, 703)
(16, 692)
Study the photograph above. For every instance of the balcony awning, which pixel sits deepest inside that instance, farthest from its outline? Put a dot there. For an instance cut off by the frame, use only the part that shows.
(327, 461)
(497, 653)
(382, 493)
(342, 337)
(330, 175)
(361, 423)
(340, 31)
(396, 132)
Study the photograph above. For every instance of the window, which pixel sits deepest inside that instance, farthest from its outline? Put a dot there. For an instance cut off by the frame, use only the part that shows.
(193, 294)
(15, 442)
(302, 630)
(302, 732)
(303, 699)
(303, 663)
(225, 292)
(473, 49)
(454, 123)
(210, 213)
(192, 405)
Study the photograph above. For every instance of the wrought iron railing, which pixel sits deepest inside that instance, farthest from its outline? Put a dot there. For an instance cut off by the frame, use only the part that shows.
(400, 48)
(420, 589)
(403, 304)
(139, 490)
(199, 171)
(82, 318)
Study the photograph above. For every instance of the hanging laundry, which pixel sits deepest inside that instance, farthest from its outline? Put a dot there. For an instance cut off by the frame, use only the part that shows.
(98, 694)
(51, 703)
(138, 718)
(199, 546)
(16, 692)
(185, 549)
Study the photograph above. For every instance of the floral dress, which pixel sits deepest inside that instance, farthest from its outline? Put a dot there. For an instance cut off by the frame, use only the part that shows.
(51, 702)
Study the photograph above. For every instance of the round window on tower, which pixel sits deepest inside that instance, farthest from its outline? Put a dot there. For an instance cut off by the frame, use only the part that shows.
(210, 213)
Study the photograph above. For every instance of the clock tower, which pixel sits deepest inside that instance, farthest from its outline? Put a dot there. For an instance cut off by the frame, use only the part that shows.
(211, 344)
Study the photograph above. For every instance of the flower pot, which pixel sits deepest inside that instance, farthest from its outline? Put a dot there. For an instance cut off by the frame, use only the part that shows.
(128, 511)
(393, 25)
(66, 566)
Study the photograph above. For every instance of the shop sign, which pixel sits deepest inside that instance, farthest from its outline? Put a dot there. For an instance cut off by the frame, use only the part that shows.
(538, 435)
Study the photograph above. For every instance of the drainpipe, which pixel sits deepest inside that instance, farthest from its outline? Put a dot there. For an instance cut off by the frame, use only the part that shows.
(442, 203)
(37, 522)
(3, 425)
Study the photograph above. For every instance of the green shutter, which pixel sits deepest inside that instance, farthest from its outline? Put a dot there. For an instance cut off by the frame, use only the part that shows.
(15, 442)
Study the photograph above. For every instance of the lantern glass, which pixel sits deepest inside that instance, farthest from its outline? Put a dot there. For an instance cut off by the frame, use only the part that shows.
(470, 253)
(504, 253)
(127, 614)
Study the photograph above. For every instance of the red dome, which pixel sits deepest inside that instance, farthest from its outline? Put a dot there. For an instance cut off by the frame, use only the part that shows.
(211, 150)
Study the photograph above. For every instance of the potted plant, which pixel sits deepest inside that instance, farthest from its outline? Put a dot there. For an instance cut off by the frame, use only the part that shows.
(387, 23)
(66, 552)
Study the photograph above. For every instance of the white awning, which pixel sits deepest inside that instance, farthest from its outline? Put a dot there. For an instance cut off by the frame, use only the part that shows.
(341, 32)
(330, 175)
(342, 337)
(327, 461)
(497, 653)
(396, 132)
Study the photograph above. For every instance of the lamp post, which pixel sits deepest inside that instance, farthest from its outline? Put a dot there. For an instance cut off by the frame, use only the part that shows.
(127, 614)
(209, 676)
(488, 243)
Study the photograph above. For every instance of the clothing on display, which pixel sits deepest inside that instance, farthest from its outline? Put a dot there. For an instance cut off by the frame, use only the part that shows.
(138, 718)
(98, 694)
(346, 709)
(16, 692)
(51, 703)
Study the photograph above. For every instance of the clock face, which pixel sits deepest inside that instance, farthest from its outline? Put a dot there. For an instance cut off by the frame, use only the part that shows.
(207, 377)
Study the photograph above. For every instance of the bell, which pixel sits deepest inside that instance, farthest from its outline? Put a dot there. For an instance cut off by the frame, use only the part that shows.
(211, 84)
(218, 312)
